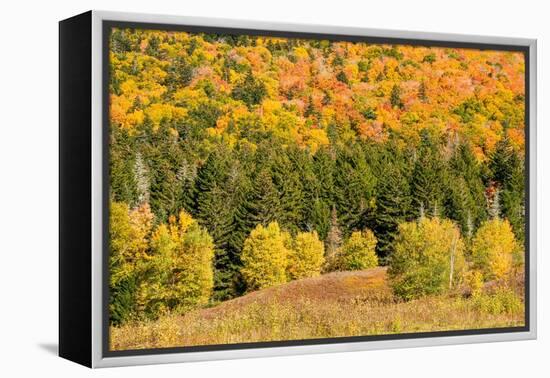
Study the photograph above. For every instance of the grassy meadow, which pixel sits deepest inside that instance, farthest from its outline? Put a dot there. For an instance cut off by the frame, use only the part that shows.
(337, 304)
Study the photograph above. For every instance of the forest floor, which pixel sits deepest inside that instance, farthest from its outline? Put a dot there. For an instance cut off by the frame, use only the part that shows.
(339, 304)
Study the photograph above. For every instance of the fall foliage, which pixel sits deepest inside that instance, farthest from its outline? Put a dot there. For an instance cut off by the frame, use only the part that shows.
(428, 258)
(306, 256)
(242, 163)
(494, 248)
(264, 257)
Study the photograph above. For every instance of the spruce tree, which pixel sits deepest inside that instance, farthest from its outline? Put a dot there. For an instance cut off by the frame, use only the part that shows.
(218, 196)
(422, 92)
(264, 202)
(354, 185)
(429, 178)
(507, 169)
(466, 182)
(287, 174)
(393, 205)
(395, 97)
(123, 186)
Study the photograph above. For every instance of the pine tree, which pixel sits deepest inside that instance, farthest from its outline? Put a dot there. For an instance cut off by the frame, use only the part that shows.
(465, 202)
(264, 204)
(429, 178)
(459, 204)
(508, 171)
(123, 187)
(354, 185)
(422, 91)
(186, 176)
(287, 172)
(250, 90)
(395, 97)
(319, 217)
(393, 205)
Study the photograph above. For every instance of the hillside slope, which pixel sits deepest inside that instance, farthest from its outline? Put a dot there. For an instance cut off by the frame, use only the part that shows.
(332, 305)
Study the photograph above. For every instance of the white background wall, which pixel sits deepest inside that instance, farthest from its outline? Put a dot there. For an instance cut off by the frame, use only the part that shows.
(28, 186)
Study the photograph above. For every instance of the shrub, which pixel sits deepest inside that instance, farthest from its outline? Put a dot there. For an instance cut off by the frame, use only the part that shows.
(264, 257)
(494, 249)
(428, 258)
(474, 282)
(306, 257)
(502, 301)
(358, 252)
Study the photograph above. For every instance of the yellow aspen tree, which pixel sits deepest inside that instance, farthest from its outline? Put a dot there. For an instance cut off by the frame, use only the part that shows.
(358, 252)
(494, 248)
(264, 257)
(306, 257)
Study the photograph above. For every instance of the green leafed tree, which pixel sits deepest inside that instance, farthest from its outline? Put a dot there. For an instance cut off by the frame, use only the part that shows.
(428, 258)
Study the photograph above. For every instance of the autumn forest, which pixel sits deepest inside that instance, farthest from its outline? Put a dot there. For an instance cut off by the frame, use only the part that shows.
(266, 189)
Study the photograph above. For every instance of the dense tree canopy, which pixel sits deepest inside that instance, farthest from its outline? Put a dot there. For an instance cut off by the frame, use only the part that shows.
(262, 140)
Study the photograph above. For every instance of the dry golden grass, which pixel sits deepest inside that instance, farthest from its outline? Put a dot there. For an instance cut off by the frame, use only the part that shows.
(333, 305)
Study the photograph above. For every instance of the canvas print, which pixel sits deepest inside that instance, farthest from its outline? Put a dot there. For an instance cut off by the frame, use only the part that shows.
(267, 188)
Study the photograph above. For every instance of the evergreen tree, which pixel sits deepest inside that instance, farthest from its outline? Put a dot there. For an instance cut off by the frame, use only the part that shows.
(422, 91)
(287, 172)
(251, 91)
(123, 186)
(264, 204)
(465, 203)
(429, 178)
(393, 204)
(354, 185)
(508, 171)
(459, 205)
(186, 176)
(319, 217)
(395, 97)
(318, 190)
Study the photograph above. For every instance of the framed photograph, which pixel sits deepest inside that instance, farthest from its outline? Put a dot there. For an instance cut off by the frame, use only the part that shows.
(233, 189)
